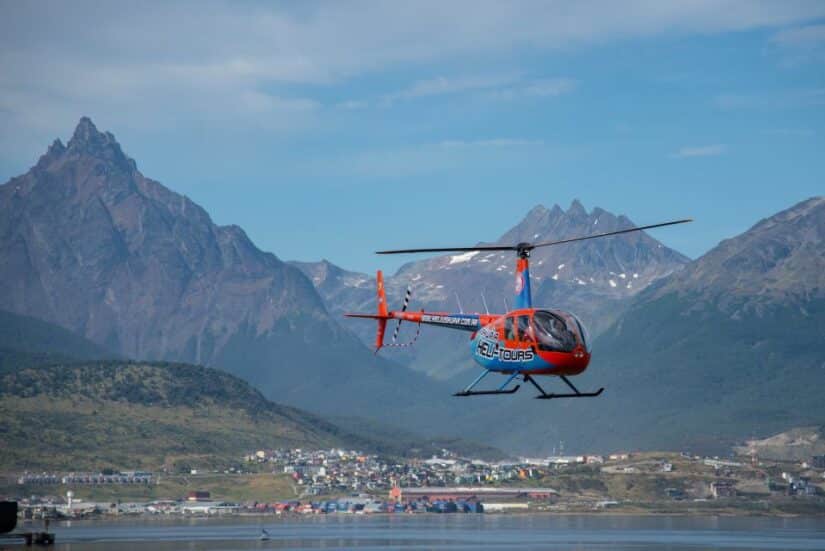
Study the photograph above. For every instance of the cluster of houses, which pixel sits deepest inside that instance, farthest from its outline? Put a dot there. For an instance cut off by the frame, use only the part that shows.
(322, 472)
(126, 477)
(799, 485)
(444, 484)
(352, 505)
(200, 503)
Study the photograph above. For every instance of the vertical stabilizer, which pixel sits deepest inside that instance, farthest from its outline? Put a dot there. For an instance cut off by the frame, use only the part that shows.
(382, 295)
(382, 310)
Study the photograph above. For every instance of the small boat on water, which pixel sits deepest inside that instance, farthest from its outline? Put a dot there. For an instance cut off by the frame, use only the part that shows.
(264, 535)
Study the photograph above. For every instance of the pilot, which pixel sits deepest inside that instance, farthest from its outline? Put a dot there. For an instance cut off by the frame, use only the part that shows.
(567, 341)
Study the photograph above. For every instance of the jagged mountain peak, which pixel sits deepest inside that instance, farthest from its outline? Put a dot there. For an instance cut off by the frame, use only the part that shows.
(541, 223)
(100, 152)
(542, 215)
(538, 210)
(621, 254)
(88, 141)
(87, 132)
(576, 209)
(122, 249)
(57, 147)
(86, 135)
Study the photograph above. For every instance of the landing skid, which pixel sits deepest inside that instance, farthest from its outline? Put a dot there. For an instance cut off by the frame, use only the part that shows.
(468, 391)
(486, 392)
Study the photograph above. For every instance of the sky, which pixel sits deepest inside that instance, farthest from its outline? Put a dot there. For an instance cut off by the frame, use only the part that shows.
(334, 129)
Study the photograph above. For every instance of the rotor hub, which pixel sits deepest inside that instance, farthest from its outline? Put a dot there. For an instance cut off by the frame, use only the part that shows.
(523, 249)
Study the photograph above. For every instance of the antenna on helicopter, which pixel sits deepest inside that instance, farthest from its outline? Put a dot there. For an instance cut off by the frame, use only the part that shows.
(458, 300)
(484, 301)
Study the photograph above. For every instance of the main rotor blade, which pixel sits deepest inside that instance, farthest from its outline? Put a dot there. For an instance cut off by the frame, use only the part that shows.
(452, 249)
(528, 246)
(606, 234)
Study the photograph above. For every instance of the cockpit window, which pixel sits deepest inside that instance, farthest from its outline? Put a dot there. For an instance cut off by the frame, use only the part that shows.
(509, 329)
(554, 332)
(585, 336)
(525, 332)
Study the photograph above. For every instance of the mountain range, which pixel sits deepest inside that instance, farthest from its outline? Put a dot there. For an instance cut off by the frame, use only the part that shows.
(694, 353)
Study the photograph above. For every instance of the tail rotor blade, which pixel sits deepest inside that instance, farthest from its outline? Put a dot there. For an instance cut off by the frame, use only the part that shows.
(407, 296)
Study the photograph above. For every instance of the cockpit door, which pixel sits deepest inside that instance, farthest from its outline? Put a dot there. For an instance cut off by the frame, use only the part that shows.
(517, 331)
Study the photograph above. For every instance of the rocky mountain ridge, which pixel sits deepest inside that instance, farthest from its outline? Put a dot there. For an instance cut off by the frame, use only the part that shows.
(89, 243)
(732, 345)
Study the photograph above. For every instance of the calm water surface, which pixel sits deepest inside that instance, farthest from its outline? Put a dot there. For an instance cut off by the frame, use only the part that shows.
(522, 532)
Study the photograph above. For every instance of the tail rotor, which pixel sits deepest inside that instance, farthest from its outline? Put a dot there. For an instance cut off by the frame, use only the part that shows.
(394, 342)
(383, 315)
(407, 296)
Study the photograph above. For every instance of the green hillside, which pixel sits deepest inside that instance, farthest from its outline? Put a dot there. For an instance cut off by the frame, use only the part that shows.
(709, 379)
(122, 414)
(141, 415)
(63, 407)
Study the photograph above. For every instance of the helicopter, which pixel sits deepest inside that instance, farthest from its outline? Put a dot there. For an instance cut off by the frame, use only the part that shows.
(523, 343)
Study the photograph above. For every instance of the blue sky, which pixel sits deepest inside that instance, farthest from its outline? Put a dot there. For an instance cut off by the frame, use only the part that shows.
(335, 129)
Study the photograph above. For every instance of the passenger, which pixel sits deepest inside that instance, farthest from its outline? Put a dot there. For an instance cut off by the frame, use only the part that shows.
(553, 334)
(564, 335)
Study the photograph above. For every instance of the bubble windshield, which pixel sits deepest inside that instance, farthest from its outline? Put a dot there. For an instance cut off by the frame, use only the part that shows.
(558, 331)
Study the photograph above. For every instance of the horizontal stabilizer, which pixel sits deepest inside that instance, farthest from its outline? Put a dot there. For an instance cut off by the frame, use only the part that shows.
(368, 316)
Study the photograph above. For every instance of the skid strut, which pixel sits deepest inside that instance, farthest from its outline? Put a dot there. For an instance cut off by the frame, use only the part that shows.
(574, 394)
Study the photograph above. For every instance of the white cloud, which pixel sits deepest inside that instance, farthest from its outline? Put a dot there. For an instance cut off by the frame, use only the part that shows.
(804, 37)
(435, 158)
(493, 87)
(787, 99)
(352, 105)
(132, 64)
(452, 85)
(541, 88)
(700, 151)
(441, 86)
(499, 142)
(791, 132)
(550, 87)
(798, 45)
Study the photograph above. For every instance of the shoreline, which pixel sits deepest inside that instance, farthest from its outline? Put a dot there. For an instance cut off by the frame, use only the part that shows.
(728, 513)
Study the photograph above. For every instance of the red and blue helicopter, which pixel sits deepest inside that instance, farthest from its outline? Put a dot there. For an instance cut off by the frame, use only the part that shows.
(523, 343)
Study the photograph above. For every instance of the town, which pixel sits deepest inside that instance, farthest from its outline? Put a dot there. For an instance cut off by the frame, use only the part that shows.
(349, 481)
